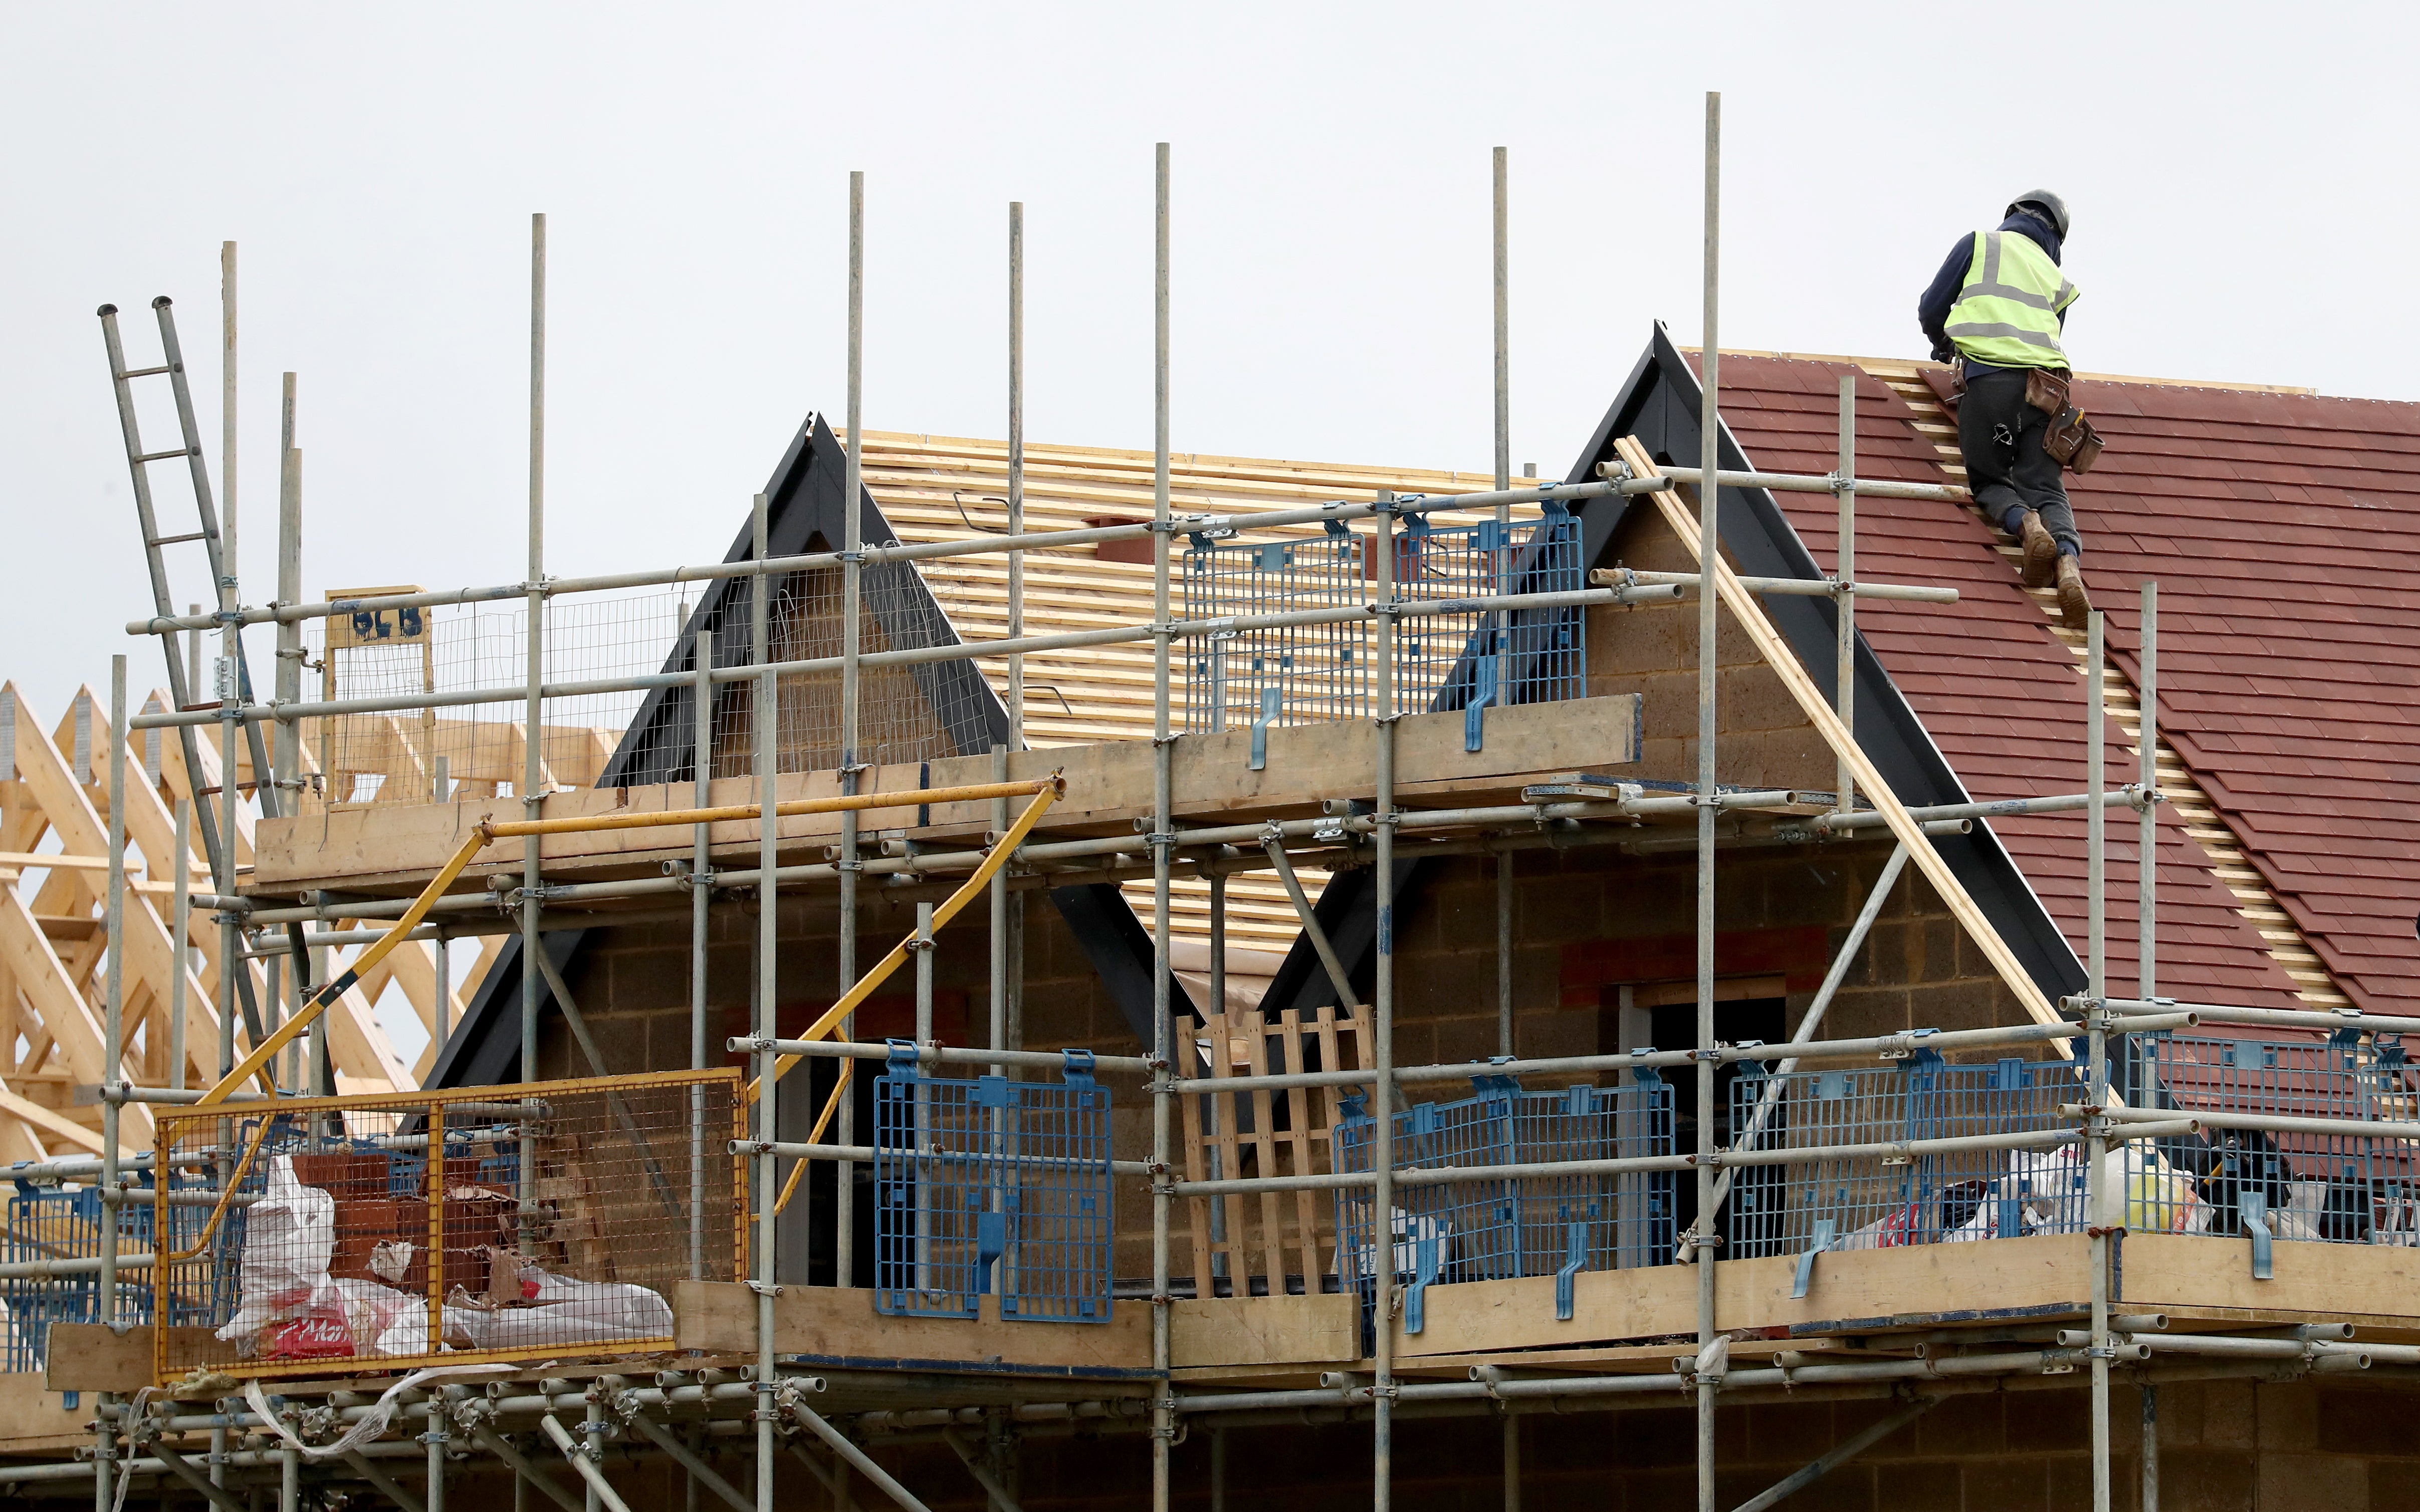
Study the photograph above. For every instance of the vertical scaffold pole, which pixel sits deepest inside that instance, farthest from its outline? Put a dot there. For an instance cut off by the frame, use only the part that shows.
(999, 1027)
(852, 570)
(1511, 1462)
(228, 596)
(2096, 1141)
(701, 865)
(1382, 1011)
(1007, 909)
(2147, 934)
(1163, 1424)
(534, 711)
(1503, 340)
(1844, 684)
(1015, 467)
(182, 933)
(112, 1058)
(288, 761)
(767, 937)
(113, 1044)
(1503, 518)
(1504, 951)
(1710, 538)
(231, 964)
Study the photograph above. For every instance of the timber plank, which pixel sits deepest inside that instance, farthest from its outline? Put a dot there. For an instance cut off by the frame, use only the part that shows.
(2041, 1275)
(1324, 1328)
(1109, 785)
(840, 1324)
(35, 1419)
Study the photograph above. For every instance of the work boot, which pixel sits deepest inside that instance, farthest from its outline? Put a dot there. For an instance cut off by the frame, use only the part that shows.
(2042, 550)
(2074, 604)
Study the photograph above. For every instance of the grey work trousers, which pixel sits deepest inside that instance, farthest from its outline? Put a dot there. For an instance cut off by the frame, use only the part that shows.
(2001, 437)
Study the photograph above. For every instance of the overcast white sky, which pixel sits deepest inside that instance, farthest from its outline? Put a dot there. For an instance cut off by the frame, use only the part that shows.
(2238, 176)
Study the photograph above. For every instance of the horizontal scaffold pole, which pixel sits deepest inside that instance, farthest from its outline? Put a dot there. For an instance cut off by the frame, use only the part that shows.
(875, 556)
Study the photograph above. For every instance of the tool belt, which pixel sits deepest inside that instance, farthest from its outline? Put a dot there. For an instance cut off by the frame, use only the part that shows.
(2070, 441)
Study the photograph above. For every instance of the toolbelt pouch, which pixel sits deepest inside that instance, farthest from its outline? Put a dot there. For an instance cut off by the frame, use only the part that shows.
(2070, 441)
(2046, 390)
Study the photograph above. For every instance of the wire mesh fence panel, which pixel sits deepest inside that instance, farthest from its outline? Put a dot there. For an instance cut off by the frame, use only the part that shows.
(1275, 675)
(62, 1224)
(1453, 659)
(915, 712)
(1496, 1227)
(398, 757)
(341, 1234)
(1881, 1200)
(982, 1185)
(1479, 659)
(2345, 1186)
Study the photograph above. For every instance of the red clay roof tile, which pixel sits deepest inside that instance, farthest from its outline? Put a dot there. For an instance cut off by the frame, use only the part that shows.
(2278, 527)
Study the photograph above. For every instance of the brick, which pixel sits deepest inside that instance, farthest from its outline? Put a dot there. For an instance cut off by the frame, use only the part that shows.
(1955, 1005)
(2337, 1483)
(1547, 910)
(1967, 1425)
(2006, 1485)
(2393, 1487)
(2051, 1421)
(1918, 1483)
(2288, 1417)
(1788, 1433)
(1933, 951)
(2070, 1480)
(2362, 1420)
(2229, 1414)
(1874, 1011)
(2211, 1482)
(1623, 645)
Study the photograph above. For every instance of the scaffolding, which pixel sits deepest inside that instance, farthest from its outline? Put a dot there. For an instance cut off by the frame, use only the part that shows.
(992, 1164)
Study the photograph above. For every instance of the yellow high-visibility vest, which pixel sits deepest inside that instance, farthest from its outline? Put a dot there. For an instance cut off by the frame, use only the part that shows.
(2007, 313)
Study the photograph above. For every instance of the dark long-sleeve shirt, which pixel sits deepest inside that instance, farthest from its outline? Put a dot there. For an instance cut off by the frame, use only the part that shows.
(1933, 310)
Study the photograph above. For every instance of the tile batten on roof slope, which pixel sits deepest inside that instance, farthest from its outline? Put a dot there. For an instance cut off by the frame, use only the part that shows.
(2297, 842)
(2206, 841)
(1660, 405)
(803, 508)
(2285, 530)
(1994, 685)
(936, 487)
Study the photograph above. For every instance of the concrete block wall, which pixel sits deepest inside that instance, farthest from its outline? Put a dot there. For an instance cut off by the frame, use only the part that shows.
(2224, 1446)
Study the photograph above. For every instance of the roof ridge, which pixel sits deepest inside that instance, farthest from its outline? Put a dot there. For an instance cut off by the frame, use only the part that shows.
(1880, 366)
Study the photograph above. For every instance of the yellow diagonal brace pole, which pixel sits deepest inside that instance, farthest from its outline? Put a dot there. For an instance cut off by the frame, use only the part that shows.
(823, 1122)
(343, 981)
(967, 891)
(490, 830)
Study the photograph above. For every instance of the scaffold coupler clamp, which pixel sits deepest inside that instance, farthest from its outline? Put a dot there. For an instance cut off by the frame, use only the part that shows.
(1491, 1377)
(1616, 470)
(788, 1397)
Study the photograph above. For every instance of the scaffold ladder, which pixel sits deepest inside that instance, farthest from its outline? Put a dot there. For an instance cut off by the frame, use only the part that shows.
(234, 681)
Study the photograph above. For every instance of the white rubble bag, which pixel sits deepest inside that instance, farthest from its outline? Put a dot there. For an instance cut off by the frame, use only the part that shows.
(289, 1307)
(559, 1310)
(282, 1270)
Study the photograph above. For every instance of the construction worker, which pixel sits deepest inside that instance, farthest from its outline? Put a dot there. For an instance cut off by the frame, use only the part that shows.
(1998, 307)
